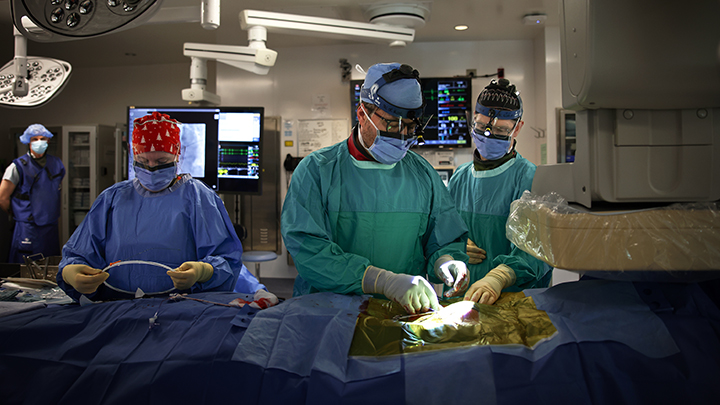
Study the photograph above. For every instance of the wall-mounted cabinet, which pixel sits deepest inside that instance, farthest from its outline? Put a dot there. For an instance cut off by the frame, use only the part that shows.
(89, 158)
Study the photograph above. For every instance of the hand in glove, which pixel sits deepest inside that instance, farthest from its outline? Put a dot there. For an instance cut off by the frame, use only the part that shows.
(83, 278)
(414, 293)
(477, 254)
(190, 273)
(453, 273)
(487, 289)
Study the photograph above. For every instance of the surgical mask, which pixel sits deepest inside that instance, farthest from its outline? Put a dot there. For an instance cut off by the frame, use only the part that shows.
(491, 148)
(39, 147)
(157, 178)
(387, 148)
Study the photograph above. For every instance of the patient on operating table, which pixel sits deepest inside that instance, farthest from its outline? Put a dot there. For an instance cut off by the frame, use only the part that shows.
(159, 232)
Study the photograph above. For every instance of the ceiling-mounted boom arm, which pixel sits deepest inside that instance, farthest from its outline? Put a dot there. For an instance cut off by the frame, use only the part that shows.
(20, 88)
(254, 58)
(326, 27)
(258, 59)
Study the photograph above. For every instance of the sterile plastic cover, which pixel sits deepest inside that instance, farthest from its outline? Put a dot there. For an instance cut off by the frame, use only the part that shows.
(678, 237)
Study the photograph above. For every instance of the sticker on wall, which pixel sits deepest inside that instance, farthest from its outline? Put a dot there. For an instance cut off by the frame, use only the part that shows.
(314, 134)
(288, 127)
(321, 105)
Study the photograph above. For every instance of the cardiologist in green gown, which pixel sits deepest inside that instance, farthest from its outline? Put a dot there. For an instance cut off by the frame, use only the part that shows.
(367, 215)
(483, 190)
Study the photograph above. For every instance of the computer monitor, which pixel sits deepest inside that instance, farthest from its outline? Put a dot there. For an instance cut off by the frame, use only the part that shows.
(448, 106)
(219, 145)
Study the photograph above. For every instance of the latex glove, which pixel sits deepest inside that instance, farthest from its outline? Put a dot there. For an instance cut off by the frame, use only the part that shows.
(487, 289)
(453, 273)
(83, 278)
(476, 253)
(190, 273)
(414, 293)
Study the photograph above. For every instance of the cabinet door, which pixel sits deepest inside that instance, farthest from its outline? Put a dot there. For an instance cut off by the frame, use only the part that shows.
(76, 185)
(89, 158)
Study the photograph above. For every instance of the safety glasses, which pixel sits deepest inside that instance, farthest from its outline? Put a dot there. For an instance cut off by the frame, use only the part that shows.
(398, 126)
(154, 168)
(490, 130)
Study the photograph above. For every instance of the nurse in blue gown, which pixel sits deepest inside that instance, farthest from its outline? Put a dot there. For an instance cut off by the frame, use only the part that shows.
(30, 192)
(158, 217)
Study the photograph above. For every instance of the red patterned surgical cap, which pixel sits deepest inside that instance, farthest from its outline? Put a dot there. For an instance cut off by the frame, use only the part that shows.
(156, 132)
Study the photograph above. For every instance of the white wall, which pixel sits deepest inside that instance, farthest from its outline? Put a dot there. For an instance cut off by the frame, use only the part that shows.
(302, 73)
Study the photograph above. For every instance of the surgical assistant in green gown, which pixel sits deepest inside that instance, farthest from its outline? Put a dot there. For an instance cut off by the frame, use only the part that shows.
(483, 199)
(341, 215)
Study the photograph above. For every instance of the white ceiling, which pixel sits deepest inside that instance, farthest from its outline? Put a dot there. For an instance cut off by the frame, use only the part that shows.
(162, 43)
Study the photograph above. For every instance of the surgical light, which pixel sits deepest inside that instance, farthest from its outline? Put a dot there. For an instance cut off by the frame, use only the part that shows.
(55, 20)
(30, 81)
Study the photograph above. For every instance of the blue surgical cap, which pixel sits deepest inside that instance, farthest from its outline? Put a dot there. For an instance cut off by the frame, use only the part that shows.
(395, 88)
(34, 130)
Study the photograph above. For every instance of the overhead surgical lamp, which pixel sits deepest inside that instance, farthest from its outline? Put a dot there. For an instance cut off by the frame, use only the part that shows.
(64, 20)
(30, 81)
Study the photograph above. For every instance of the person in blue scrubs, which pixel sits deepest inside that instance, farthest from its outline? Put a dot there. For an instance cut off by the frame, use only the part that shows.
(158, 217)
(367, 215)
(483, 190)
(30, 192)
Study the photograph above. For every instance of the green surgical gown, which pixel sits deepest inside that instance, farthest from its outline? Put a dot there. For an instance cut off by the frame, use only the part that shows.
(341, 215)
(483, 199)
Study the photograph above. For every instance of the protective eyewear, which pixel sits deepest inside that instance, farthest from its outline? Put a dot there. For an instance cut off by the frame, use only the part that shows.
(490, 130)
(154, 168)
(398, 126)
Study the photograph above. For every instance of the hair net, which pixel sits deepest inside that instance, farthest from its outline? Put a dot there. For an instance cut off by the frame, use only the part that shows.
(395, 88)
(156, 132)
(34, 130)
(502, 97)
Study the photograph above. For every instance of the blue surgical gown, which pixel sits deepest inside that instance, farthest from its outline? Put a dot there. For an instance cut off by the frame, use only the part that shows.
(185, 222)
(35, 206)
(483, 199)
(341, 215)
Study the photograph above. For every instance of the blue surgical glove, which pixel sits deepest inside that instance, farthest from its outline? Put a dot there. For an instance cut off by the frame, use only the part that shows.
(414, 293)
(453, 273)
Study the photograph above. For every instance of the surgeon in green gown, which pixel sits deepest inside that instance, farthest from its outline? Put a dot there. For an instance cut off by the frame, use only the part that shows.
(483, 190)
(367, 215)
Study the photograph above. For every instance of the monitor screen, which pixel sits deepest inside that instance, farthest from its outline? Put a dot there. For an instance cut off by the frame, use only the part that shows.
(448, 106)
(219, 145)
